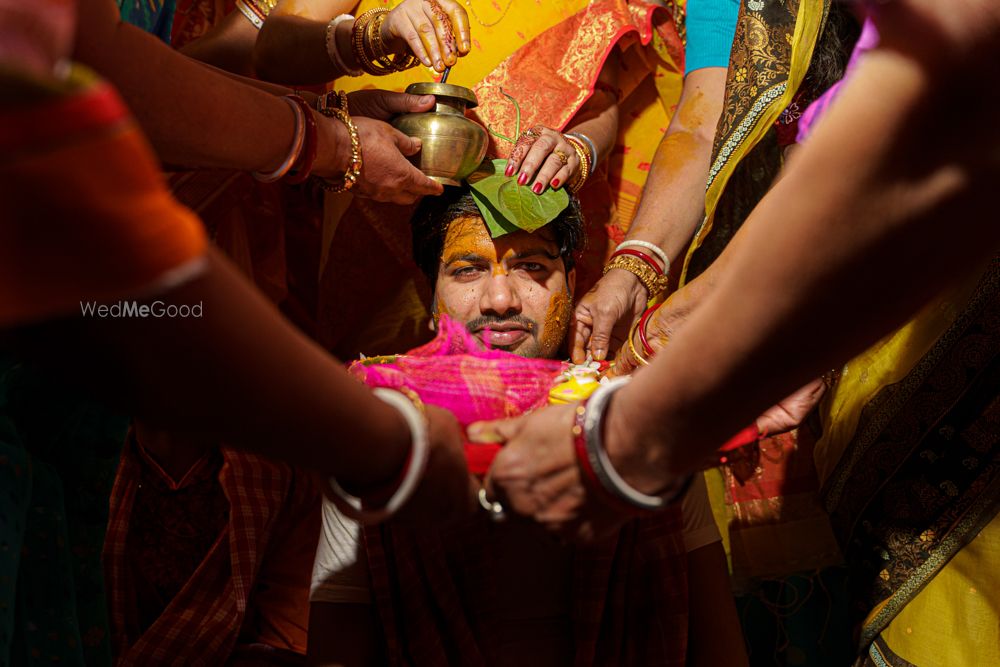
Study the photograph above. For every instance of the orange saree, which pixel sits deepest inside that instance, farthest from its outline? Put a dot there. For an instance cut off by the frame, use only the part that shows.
(73, 233)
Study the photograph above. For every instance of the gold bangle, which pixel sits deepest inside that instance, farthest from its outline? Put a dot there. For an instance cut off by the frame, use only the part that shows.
(655, 284)
(264, 7)
(584, 156)
(398, 63)
(369, 49)
(357, 160)
(631, 345)
(359, 40)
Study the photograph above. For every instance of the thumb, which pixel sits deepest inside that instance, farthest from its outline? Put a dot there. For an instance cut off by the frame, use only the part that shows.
(500, 430)
(579, 334)
(406, 145)
(600, 336)
(397, 103)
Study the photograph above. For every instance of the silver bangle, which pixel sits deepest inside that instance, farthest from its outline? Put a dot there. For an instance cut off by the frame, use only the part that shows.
(593, 424)
(652, 247)
(250, 14)
(331, 46)
(293, 155)
(353, 506)
(590, 144)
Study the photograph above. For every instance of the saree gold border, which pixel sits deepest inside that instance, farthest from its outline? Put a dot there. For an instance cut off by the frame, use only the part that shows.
(979, 514)
(888, 401)
(877, 657)
(762, 115)
(592, 34)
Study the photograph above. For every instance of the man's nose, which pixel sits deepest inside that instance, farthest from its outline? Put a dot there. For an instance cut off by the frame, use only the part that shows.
(500, 296)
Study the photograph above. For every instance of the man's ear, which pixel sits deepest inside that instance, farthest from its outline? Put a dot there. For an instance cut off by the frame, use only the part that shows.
(571, 282)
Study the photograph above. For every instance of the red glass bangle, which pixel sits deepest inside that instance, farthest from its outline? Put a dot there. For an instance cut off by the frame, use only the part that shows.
(646, 347)
(641, 255)
(303, 167)
(580, 446)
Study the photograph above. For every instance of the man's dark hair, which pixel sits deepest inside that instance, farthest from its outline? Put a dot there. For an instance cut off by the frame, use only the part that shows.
(432, 218)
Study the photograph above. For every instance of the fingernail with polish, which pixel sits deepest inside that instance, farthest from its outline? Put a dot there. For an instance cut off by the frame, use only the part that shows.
(555, 183)
(509, 171)
(522, 179)
(537, 188)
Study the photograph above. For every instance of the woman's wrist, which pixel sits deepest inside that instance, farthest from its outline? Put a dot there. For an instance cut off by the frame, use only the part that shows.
(391, 441)
(635, 446)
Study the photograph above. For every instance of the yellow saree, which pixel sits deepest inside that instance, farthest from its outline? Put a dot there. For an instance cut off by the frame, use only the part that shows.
(910, 460)
(548, 56)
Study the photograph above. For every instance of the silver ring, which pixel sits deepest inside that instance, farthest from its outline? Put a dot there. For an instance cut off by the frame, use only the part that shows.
(496, 510)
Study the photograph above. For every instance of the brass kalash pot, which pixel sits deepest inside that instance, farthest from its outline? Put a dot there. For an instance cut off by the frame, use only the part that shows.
(453, 145)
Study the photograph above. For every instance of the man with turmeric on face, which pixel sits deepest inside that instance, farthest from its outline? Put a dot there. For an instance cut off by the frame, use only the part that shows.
(506, 594)
(514, 292)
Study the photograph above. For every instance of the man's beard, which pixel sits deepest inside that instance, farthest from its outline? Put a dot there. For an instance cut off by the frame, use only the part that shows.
(529, 347)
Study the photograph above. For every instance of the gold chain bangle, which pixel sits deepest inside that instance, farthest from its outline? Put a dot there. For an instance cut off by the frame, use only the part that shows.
(357, 161)
(655, 284)
(333, 99)
(584, 156)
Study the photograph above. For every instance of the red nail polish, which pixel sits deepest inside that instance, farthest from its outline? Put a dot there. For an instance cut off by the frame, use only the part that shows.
(522, 179)
(509, 171)
(537, 188)
(555, 183)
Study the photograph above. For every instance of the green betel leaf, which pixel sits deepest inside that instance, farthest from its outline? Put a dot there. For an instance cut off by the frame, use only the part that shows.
(495, 222)
(507, 207)
(530, 211)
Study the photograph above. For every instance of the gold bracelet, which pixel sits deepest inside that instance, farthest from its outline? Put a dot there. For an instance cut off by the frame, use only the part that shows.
(584, 156)
(369, 49)
(398, 63)
(357, 161)
(263, 6)
(631, 345)
(359, 41)
(333, 99)
(655, 284)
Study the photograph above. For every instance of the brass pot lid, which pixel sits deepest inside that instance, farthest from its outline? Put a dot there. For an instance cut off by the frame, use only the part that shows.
(444, 90)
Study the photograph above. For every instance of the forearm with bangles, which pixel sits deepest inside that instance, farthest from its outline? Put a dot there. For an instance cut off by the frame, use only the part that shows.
(240, 374)
(870, 235)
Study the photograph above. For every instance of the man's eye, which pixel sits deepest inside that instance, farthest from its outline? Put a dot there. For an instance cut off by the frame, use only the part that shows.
(531, 267)
(465, 271)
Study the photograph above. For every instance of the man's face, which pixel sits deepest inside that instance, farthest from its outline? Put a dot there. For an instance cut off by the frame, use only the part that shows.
(510, 285)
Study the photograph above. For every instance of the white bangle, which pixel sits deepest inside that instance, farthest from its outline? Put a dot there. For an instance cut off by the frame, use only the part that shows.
(653, 248)
(354, 506)
(250, 14)
(331, 46)
(600, 462)
(293, 155)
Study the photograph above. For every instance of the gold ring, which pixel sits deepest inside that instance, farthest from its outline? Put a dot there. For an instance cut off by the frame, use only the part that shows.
(562, 157)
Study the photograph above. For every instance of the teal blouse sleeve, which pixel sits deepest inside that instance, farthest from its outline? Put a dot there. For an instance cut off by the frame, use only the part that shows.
(711, 25)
